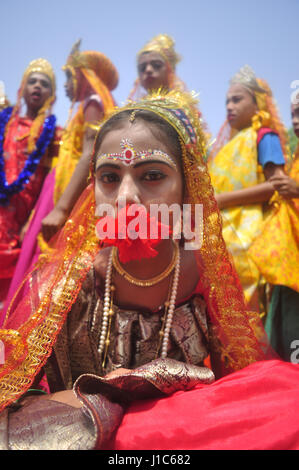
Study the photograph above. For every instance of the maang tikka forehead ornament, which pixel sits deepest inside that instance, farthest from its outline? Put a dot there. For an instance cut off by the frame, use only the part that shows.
(129, 156)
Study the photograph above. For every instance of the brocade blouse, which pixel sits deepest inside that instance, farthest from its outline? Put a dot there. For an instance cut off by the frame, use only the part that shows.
(134, 337)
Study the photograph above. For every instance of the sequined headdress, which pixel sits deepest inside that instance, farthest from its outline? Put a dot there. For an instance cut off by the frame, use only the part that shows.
(34, 324)
(247, 78)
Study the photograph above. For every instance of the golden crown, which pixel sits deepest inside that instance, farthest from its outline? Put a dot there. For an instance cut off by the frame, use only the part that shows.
(163, 45)
(41, 66)
(246, 77)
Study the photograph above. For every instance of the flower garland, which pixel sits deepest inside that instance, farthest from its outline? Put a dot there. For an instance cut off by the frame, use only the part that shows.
(8, 190)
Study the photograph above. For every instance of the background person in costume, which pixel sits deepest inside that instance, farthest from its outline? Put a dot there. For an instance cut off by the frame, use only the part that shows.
(28, 142)
(250, 149)
(156, 66)
(90, 77)
(94, 323)
(276, 253)
(156, 63)
(98, 78)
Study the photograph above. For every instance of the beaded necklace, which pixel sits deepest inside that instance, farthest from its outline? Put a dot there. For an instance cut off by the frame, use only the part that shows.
(33, 159)
(108, 311)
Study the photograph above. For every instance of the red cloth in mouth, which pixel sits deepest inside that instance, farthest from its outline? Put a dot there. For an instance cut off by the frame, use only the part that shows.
(130, 231)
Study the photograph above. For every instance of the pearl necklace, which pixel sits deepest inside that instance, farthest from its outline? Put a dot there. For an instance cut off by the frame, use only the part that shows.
(108, 311)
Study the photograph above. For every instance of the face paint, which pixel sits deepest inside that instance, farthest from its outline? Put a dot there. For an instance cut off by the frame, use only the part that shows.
(129, 156)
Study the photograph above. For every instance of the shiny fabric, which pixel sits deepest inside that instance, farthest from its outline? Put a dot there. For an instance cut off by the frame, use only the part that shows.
(39, 423)
(236, 167)
(252, 409)
(134, 338)
(255, 408)
(48, 425)
(154, 380)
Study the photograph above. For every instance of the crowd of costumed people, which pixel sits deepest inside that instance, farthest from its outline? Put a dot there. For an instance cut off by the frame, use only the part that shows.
(123, 329)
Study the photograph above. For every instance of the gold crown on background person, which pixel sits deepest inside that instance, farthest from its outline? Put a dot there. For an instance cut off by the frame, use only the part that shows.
(248, 79)
(163, 44)
(93, 60)
(41, 66)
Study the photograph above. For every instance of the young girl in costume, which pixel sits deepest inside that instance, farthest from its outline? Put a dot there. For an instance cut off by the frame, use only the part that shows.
(90, 77)
(276, 253)
(250, 149)
(156, 66)
(28, 144)
(121, 332)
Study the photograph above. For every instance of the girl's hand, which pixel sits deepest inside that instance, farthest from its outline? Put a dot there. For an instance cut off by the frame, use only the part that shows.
(286, 186)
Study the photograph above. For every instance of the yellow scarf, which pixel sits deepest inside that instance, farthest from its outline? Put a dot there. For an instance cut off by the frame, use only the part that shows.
(236, 167)
(276, 250)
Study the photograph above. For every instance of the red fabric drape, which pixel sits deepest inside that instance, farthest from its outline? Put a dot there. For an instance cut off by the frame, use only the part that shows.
(255, 408)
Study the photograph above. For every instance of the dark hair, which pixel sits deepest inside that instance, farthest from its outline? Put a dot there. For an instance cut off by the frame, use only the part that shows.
(160, 128)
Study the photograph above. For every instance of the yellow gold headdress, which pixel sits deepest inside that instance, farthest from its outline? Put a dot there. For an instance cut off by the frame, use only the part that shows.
(41, 66)
(247, 78)
(97, 69)
(93, 61)
(179, 109)
(163, 45)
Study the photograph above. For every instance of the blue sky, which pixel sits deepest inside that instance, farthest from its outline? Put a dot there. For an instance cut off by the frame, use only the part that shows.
(214, 37)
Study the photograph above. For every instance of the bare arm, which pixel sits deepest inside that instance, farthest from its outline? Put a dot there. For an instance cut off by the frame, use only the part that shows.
(78, 182)
(255, 194)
